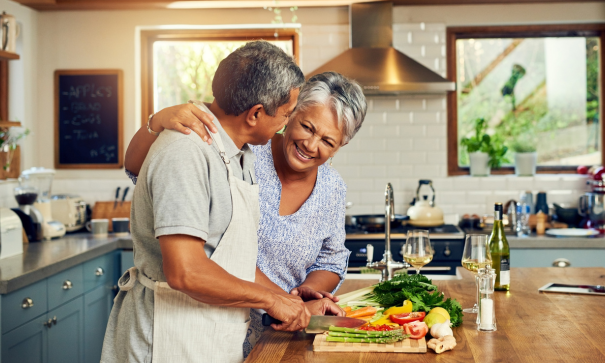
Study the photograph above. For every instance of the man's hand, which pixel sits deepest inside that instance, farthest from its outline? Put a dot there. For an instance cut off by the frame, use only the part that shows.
(324, 306)
(291, 311)
(307, 294)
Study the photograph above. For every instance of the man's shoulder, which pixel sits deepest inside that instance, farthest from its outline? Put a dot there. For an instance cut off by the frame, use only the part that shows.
(174, 143)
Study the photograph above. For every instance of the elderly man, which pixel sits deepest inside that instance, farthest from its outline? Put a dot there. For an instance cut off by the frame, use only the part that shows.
(194, 223)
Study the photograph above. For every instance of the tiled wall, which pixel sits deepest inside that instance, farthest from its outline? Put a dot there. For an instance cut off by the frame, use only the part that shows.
(404, 138)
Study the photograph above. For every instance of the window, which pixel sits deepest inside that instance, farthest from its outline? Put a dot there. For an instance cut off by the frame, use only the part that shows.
(536, 86)
(179, 65)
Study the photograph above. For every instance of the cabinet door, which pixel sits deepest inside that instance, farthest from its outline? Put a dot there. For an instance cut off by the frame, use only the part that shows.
(66, 336)
(27, 343)
(97, 306)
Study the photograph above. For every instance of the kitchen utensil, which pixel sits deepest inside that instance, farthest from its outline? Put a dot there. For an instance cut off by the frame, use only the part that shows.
(11, 238)
(105, 210)
(98, 227)
(321, 323)
(541, 204)
(569, 216)
(124, 196)
(424, 213)
(376, 221)
(70, 210)
(9, 32)
(115, 203)
(574, 289)
(120, 226)
(42, 179)
(405, 346)
(572, 232)
(592, 208)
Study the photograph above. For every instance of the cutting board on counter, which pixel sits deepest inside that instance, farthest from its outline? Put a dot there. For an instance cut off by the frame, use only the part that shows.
(405, 346)
(109, 210)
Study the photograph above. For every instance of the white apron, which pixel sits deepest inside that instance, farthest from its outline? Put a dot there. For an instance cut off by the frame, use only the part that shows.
(186, 330)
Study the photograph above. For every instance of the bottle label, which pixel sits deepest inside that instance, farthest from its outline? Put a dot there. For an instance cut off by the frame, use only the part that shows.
(504, 271)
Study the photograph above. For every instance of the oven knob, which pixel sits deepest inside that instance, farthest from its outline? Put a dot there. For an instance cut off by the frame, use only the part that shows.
(447, 251)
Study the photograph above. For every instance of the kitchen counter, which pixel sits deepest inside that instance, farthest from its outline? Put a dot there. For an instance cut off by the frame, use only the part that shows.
(532, 326)
(43, 259)
(533, 242)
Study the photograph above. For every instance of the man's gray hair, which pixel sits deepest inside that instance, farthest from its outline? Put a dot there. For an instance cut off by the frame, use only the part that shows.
(340, 93)
(256, 73)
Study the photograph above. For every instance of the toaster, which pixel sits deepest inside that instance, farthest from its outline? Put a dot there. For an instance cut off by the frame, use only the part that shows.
(70, 210)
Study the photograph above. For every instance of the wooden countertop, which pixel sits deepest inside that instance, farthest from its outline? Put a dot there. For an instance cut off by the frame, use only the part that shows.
(532, 326)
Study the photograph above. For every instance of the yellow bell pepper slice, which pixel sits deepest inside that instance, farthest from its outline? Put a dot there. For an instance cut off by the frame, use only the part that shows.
(406, 308)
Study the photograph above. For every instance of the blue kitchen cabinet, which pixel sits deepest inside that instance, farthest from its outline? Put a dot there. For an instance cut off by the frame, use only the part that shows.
(545, 257)
(27, 343)
(127, 261)
(97, 306)
(66, 335)
(62, 318)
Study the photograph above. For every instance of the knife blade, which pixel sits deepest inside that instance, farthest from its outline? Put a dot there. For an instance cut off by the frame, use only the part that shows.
(115, 203)
(321, 323)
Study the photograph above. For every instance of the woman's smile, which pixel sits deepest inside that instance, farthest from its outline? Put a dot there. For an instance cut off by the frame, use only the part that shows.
(301, 155)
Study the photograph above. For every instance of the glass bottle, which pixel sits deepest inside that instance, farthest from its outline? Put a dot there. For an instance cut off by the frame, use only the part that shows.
(500, 251)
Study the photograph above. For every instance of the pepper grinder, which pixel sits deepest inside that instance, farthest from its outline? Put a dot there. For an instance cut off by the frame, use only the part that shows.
(487, 311)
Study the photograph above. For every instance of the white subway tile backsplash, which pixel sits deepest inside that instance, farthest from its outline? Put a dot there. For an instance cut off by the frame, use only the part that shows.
(373, 171)
(428, 171)
(452, 197)
(373, 197)
(376, 118)
(388, 158)
(413, 158)
(493, 183)
(428, 144)
(436, 104)
(401, 170)
(398, 118)
(411, 104)
(436, 130)
(359, 157)
(519, 183)
(400, 144)
(426, 117)
(387, 131)
(436, 157)
(477, 197)
(412, 131)
(443, 184)
(385, 104)
(349, 171)
(423, 37)
(414, 51)
(362, 184)
(373, 145)
(400, 28)
(466, 183)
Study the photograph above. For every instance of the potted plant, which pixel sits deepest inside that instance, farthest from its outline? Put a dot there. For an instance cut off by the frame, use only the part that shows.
(9, 154)
(525, 156)
(485, 152)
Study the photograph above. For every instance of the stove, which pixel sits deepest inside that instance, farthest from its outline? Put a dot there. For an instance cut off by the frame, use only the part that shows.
(447, 241)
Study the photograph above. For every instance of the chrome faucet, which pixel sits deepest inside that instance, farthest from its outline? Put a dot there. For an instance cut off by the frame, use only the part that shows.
(387, 266)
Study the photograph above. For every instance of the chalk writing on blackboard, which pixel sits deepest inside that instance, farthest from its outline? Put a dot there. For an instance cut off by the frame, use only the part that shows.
(89, 119)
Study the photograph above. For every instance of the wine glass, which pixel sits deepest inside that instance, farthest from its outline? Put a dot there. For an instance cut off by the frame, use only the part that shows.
(476, 255)
(417, 250)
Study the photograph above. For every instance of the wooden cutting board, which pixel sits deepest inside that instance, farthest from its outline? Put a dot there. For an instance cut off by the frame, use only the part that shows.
(405, 346)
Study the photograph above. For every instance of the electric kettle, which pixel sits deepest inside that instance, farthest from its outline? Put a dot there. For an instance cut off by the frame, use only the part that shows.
(424, 213)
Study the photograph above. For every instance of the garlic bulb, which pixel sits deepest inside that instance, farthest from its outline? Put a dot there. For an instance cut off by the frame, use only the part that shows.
(440, 330)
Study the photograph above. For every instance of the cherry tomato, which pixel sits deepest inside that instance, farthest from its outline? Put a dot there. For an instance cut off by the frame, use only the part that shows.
(416, 329)
(582, 169)
(407, 317)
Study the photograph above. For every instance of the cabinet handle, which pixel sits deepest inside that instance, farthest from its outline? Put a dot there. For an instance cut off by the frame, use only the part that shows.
(49, 324)
(99, 271)
(67, 285)
(54, 320)
(27, 303)
(447, 251)
(561, 262)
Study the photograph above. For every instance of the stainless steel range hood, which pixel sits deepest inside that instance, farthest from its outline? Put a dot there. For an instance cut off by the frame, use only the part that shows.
(375, 64)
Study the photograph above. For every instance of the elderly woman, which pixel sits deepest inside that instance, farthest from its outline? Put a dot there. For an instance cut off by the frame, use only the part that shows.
(302, 199)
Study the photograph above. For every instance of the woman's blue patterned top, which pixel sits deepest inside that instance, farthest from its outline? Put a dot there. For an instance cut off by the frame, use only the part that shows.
(290, 247)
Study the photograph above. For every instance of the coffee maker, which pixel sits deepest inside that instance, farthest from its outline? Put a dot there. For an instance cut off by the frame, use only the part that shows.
(41, 179)
(31, 218)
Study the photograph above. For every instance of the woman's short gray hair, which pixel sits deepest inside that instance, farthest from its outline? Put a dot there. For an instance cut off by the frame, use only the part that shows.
(342, 94)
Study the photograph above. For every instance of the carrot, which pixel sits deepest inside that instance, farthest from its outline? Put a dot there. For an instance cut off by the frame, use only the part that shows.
(347, 309)
(367, 311)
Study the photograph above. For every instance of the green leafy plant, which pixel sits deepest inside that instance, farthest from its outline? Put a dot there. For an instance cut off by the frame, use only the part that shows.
(482, 142)
(8, 142)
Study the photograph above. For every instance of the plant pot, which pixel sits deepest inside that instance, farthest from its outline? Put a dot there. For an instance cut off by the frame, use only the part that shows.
(525, 164)
(479, 164)
(11, 158)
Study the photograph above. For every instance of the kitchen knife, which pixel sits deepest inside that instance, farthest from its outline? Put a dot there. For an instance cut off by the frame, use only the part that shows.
(124, 196)
(115, 203)
(321, 323)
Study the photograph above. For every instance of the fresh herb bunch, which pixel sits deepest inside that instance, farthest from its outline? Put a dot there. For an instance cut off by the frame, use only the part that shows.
(482, 142)
(420, 291)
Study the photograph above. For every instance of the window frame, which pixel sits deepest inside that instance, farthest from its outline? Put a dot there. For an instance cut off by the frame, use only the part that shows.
(149, 37)
(520, 31)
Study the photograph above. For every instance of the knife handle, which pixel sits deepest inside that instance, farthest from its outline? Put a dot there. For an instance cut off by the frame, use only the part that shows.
(268, 320)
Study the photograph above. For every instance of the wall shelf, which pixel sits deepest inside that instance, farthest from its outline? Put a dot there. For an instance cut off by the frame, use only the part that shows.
(4, 55)
(10, 123)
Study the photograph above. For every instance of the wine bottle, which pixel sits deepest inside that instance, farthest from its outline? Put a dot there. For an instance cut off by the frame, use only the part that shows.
(500, 251)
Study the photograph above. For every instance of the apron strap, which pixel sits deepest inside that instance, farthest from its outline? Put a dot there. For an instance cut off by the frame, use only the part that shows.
(130, 278)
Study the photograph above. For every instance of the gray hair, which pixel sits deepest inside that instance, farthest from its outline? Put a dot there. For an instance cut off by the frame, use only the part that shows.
(342, 94)
(256, 73)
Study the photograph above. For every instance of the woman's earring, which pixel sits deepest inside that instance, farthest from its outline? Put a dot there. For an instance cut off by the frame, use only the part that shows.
(331, 161)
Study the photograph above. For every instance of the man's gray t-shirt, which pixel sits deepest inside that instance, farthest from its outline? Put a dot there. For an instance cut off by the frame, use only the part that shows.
(182, 188)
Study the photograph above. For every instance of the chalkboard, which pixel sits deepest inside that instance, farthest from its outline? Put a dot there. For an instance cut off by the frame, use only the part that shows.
(88, 119)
